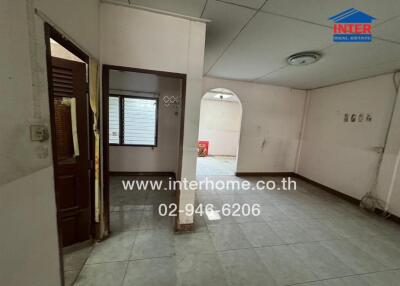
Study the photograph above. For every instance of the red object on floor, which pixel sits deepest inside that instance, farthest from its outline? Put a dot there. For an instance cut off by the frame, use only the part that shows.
(202, 148)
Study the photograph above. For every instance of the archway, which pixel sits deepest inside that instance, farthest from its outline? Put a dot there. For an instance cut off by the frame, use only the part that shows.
(219, 133)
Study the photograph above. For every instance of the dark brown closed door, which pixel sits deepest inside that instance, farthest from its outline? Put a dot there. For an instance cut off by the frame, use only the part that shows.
(71, 149)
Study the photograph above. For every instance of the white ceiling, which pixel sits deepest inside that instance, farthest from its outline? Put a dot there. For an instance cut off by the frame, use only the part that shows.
(251, 39)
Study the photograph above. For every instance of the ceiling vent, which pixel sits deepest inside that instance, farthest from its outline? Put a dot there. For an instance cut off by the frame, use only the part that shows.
(303, 58)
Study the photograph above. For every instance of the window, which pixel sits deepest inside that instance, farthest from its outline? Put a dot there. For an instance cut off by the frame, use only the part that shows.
(133, 121)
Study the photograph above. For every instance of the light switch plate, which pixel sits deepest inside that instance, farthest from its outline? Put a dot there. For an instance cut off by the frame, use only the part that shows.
(39, 133)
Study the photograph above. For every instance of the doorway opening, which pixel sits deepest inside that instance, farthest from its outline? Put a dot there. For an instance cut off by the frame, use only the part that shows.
(219, 133)
(143, 115)
(73, 150)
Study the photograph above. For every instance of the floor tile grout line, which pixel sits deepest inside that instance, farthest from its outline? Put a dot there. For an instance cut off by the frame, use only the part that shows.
(129, 254)
(84, 264)
(306, 218)
(345, 276)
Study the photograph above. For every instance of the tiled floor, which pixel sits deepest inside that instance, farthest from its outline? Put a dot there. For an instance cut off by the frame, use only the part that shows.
(74, 260)
(303, 237)
(216, 166)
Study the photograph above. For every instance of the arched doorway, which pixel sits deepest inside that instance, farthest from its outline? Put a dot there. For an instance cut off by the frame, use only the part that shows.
(219, 133)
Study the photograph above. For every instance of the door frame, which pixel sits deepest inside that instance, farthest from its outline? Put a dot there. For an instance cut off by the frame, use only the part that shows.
(51, 33)
(105, 154)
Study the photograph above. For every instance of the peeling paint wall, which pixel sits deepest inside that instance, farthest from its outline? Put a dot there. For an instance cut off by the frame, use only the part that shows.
(29, 246)
(23, 91)
(388, 188)
(271, 124)
(343, 155)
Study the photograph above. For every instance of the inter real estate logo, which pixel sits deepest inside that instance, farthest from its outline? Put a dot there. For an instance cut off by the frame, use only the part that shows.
(352, 25)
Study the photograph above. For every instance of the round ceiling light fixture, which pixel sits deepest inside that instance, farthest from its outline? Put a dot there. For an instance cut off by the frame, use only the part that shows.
(222, 96)
(303, 58)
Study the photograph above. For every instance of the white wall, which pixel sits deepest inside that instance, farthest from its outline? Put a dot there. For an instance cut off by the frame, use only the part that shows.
(271, 123)
(29, 246)
(76, 18)
(163, 157)
(220, 125)
(142, 39)
(29, 249)
(389, 178)
(341, 155)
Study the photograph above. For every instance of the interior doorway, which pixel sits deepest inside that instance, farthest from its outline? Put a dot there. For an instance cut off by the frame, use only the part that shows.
(72, 145)
(143, 120)
(219, 133)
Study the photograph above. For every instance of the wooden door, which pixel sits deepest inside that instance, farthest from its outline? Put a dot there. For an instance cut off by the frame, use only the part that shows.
(70, 132)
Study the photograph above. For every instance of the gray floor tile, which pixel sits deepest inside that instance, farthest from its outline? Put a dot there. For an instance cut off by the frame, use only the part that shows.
(104, 274)
(358, 260)
(223, 220)
(384, 253)
(218, 165)
(387, 227)
(272, 213)
(244, 267)
(193, 243)
(228, 236)
(230, 199)
(125, 220)
(248, 218)
(294, 210)
(251, 197)
(260, 234)
(387, 278)
(390, 240)
(200, 224)
(116, 248)
(153, 243)
(70, 277)
(316, 283)
(346, 281)
(290, 232)
(152, 220)
(321, 261)
(285, 266)
(316, 230)
(346, 228)
(350, 241)
(200, 270)
(75, 260)
(151, 272)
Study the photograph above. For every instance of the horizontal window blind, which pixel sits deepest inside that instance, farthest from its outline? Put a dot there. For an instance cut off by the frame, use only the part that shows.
(113, 125)
(140, 117)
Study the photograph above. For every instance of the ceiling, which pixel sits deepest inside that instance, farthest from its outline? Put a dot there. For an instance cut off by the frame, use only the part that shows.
(250, 39)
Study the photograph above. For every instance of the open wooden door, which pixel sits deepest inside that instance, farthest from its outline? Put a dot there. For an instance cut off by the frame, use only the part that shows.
(70, 127)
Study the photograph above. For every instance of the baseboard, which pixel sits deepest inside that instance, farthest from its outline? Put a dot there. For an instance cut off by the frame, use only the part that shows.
(337, 193)
(390, 216)
(293, 174)
(187, 227)
(329, 190)
(77, 246)
(265, 174)
(348, 198)
(150, 174)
